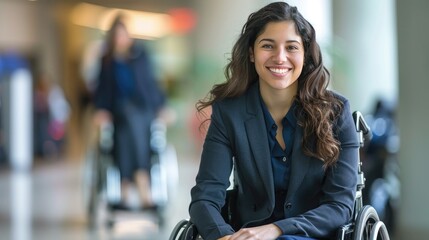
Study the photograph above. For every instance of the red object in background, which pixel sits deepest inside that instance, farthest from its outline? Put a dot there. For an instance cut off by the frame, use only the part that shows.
(198, 126)
(184, 20)
(56, 130)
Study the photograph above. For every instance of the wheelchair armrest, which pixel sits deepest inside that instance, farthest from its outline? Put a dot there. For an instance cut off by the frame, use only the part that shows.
(186, 229)
(345, 232)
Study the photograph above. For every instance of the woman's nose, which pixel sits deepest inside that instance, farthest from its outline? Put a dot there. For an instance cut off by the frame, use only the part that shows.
(280, 56)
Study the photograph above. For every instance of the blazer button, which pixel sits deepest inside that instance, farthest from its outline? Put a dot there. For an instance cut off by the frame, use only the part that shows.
(288, 205)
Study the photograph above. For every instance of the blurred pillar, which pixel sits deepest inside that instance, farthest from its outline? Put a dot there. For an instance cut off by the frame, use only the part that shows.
(21, 116)
(364, 51)
(17, 115)
(413, 117)
(17, 110)
(20, 198)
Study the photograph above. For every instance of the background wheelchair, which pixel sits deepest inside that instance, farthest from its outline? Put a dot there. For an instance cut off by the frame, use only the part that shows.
(101, 177)
(364, 225)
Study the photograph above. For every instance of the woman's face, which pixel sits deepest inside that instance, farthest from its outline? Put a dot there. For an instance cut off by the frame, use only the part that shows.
(278, 54)
(122, 40)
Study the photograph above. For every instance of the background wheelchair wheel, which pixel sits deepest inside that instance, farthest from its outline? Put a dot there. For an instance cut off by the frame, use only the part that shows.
(91, 187)
(365, 223)
(92, 209)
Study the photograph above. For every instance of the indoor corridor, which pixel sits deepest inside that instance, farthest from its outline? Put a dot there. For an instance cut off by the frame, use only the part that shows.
(48, 203)
(372, 49)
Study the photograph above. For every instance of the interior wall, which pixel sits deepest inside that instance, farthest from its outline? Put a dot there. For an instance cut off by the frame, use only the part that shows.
(364, 51)
(219, 26)
(413, 117)
(19, 30)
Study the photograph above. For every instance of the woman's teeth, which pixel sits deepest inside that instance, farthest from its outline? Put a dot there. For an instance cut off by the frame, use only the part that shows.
(279, 70)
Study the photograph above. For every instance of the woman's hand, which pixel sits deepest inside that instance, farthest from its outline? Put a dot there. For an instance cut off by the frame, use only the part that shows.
(227, 237)
(102, 117)
(264, 232)
(167, 116)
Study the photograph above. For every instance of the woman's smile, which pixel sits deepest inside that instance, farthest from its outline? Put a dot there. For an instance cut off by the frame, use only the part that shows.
(279, 71)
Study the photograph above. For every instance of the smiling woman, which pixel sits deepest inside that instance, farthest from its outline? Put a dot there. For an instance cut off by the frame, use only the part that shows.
(275, 122)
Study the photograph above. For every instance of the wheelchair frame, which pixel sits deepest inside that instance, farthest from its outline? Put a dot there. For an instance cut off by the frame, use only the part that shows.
(365, 223)
(102, 176)
(98, 174)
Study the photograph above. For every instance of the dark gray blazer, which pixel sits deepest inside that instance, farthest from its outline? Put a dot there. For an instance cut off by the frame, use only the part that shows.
(318, 202)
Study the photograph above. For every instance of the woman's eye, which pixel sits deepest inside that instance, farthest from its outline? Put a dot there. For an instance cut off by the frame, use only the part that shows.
(292, 48)
(267, 46)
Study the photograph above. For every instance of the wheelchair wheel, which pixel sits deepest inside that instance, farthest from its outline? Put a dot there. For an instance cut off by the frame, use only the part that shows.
(368, 225)
(178, 230)
(97, 173)
(112, 182)
(185, 230)
(91, 186)
(379, 230)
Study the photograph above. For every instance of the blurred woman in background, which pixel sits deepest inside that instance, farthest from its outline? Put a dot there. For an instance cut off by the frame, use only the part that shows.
(128, 95)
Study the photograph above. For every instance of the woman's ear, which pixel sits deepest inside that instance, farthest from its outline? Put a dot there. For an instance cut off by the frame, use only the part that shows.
(251, 55)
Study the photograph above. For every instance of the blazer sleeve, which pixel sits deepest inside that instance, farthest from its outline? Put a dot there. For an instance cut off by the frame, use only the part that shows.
(149, 94)
(338, 189)
(208, 195)
(103, 94)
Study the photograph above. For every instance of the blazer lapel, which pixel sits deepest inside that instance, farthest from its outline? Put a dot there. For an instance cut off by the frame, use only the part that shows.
(257, 137)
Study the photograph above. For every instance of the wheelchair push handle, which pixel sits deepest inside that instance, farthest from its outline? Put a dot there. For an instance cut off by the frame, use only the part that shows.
(362, 127)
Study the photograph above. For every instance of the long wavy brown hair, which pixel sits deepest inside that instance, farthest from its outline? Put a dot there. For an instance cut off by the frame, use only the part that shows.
(320, 108)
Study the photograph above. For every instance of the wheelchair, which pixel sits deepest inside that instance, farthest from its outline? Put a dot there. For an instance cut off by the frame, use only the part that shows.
(102, 180)
(364, 225)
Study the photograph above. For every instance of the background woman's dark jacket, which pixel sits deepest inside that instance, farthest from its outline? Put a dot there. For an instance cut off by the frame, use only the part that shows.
(146, 94)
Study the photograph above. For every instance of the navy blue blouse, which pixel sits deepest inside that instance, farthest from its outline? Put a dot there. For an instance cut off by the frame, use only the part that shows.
(280, 157)
(124, 79)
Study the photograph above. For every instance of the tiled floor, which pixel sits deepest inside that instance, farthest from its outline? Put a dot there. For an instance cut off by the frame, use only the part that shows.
(47, 203)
